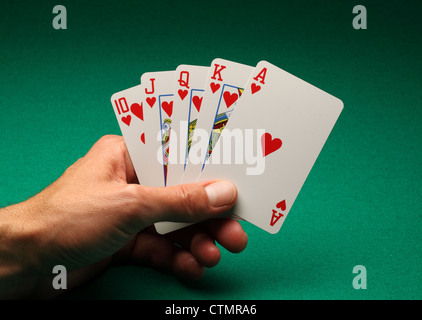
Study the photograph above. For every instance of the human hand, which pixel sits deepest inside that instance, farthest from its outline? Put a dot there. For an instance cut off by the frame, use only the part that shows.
(96, 213)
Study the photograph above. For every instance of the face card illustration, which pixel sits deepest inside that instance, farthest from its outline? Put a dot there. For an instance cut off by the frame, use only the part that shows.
(224, 86)
(229, 96)
(158, 92)
(279, 128)
(189, 88)
(129, 110)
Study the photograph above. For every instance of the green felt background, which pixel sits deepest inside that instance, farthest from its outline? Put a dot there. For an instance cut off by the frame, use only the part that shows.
(361, 204)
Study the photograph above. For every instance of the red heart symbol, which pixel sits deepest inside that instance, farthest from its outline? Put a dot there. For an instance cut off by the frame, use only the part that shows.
(167, 107)
(281, 205)
(255, 88)
(269, 145)
(182, 93)
(230, 98)
(137, 110)
(197, 102)
(214, 87)
(127, 119)
(143, 138)
(151, 101)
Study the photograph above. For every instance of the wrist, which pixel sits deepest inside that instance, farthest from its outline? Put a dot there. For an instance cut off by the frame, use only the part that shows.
(18, 254)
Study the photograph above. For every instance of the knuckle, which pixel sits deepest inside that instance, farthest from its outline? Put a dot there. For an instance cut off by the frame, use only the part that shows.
(110, 140)
(135, 197)
(105, 139)
(112, 145)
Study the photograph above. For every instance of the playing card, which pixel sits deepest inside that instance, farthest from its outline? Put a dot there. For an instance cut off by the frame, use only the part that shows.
(271, 143)
(129, 110)
(189, 88)
(157, 93)
(223, 89)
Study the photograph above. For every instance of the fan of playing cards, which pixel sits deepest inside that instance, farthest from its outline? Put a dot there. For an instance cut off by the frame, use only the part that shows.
(261, 128)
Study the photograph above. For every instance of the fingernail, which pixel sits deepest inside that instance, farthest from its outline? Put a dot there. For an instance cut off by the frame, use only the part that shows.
(220, 193)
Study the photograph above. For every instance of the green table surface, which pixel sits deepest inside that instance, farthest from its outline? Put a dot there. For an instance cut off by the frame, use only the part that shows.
(361, 204)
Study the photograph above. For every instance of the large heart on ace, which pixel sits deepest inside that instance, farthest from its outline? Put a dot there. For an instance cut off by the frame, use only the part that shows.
(269, 145)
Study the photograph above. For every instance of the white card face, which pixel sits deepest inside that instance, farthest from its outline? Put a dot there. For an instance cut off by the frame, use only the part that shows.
(271, 143)
(157, 93)
(223, 89)
(129, 110)
(188, 91)
(189, 88)
(166, 227)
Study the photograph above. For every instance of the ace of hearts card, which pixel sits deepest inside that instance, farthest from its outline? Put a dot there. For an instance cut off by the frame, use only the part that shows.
(290, 120)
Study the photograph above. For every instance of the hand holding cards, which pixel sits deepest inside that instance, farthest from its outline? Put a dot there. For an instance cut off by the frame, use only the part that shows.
(261, 128)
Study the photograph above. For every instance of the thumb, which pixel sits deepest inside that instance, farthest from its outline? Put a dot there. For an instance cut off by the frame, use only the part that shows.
(188, 202)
